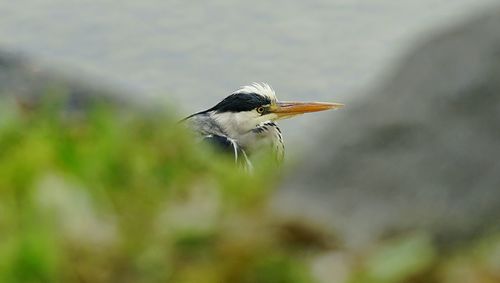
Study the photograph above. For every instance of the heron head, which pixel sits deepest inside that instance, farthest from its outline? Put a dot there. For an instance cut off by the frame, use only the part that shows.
(256, 103)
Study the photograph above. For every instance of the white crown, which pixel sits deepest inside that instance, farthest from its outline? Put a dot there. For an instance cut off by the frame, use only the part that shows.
(262, 89)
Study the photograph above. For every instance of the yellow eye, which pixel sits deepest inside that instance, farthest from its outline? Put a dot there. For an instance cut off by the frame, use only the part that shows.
(260, 110)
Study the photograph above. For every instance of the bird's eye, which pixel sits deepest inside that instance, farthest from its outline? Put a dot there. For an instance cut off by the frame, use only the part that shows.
(260, 110)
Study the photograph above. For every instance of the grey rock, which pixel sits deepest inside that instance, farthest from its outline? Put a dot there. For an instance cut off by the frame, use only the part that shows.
(421, 152)
(29, 82)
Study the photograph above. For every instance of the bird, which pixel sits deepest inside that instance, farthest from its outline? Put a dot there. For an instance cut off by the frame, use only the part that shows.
(245, 121)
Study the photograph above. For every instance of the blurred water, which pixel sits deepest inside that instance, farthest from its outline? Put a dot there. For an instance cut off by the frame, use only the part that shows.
(196, 52)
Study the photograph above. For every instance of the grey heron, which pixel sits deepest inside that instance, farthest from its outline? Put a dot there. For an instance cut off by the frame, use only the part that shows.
(244, 121)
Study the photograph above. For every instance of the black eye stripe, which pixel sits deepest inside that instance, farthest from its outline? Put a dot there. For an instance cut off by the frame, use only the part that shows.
(238, 102)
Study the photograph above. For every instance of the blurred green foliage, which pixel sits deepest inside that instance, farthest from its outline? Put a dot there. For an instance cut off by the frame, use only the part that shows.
(113, 194)
(398, 259)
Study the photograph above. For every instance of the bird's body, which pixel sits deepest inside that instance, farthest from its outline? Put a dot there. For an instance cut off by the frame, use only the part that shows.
(243, 122)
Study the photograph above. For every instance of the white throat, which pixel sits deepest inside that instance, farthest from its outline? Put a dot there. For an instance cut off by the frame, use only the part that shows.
(236, 124)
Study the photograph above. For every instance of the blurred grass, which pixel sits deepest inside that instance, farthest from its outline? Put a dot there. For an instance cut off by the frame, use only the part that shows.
(111, 194)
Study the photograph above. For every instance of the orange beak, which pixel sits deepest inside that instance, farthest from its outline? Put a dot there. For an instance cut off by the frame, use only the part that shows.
(287, 109)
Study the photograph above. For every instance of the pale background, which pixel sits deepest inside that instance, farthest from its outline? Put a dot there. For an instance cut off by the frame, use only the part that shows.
(193, 53)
